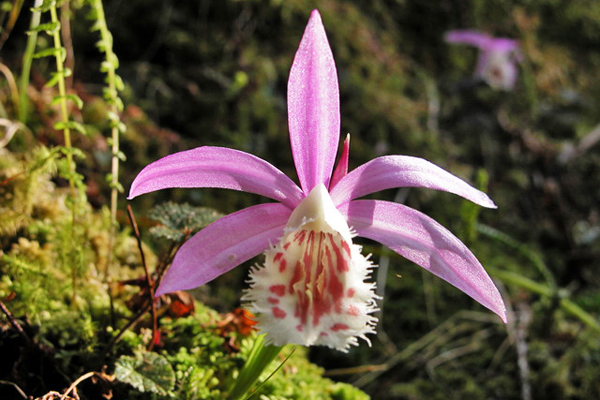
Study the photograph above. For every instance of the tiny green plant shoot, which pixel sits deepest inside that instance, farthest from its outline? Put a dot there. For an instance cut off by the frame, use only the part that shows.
(114, 84)
(111, 96)
(65, 124)
(27, 59)
(66, 167)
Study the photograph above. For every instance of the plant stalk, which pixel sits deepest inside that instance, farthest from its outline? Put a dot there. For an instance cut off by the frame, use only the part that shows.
(62, 92)
(27, 60)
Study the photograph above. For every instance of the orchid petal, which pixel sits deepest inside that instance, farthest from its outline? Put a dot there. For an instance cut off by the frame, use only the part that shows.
(403, 171)
(341, 170)
(503, 45)
(217, 167)
(422, 240)
(225, 244)
(474, 38)
(498, 69)
(314, 107)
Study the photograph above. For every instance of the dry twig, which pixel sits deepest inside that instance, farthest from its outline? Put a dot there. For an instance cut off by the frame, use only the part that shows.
(14, 323)
(149, 281)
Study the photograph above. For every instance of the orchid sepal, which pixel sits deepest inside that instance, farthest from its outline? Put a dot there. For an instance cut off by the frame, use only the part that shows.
(314, 110)
(388, 172)
(428, 244)
(217, 167)
(223, 245)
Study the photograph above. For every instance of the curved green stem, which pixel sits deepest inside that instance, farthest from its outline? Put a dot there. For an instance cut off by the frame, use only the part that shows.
(27, 60)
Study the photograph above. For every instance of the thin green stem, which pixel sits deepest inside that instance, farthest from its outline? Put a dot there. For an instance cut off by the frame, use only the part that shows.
(61, 73)
(110, 65)
(27, 60)
(62, 92)
(115, 107)
(149, 280)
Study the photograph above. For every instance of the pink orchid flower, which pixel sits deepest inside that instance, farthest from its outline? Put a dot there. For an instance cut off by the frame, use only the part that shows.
(498, 57)
(311, 289)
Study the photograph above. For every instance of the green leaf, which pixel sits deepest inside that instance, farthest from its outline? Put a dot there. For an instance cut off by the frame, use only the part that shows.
(167, 233)
(113, 59)
(53, 80)
(46, 6)
(117, 186)
(106, 66)
(61, 125)
(58, 75)
(49, 27)
(97, 25)
(119, 83)
(146, 371)
(113, 117)
(101, 44)
(75, 152)
(52, 51)
(178, 219)
(260, 357)
(119, 104)
(121, 156)
(73, 97)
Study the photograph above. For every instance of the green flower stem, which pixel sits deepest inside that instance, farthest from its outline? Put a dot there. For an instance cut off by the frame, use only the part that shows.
(27, 60)
(260, 358)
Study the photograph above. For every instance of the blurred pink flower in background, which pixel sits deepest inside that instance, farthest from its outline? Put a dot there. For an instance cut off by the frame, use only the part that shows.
(498, 57)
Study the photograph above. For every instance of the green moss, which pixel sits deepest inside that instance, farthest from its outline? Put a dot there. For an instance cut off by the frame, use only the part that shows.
(39, 268)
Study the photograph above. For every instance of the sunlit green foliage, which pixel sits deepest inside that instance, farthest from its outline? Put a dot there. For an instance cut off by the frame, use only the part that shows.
(196, 361)
(180, 220)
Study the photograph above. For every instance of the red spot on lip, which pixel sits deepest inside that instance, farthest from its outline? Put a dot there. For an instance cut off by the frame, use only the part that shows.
(277, 257)
(339, 327)
(299, 236)
(282, 265)
(317, 275)
(346, 247)
(278, 313)
(299, 328)
(273, 300)
(279, 290)
(350, 293)
(342, 262)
